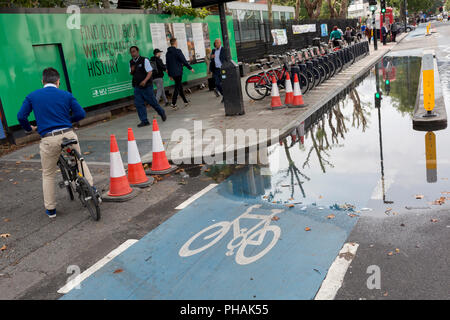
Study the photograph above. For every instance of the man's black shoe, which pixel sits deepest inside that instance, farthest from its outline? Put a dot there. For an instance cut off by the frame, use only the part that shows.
(164, 117)
(217, 93)
(143, 124)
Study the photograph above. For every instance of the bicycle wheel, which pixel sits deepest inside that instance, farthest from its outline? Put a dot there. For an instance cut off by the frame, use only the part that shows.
(311, 79)
(351, 57)
(317, 76)
(255, 87)
(339, 64)
(332, 68)
(88, 198)
(65, 172)
(224, 226)
(322, 72)
(327, 70)
(304, 82)
(241, 257)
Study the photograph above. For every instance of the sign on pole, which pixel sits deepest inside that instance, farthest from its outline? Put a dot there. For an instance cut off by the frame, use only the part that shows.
(428, 81)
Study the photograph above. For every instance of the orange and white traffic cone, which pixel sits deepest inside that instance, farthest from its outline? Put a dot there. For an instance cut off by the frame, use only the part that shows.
(119, 187)
(289, 92)
(136, 173)
(298, 98)
(276, 100)
(160, 164)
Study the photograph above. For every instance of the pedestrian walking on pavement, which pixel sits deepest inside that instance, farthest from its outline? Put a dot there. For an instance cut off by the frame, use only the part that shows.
(158, 75)
(54, 110)
(368, 33)
(175, 61)
(211, 81)
(394, 30)
(141, 70)
(218, 57)
(384, 33)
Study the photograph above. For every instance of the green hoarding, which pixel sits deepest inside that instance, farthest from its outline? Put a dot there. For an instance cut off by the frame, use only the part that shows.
(96, 54)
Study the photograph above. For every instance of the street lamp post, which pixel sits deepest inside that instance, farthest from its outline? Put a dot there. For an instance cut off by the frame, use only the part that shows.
(374, 28)
(406, 12)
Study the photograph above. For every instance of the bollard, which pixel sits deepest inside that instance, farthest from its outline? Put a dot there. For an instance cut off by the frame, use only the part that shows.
(428, 84)
(428, 29)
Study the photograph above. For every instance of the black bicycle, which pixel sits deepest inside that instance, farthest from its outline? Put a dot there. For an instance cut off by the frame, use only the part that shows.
(69, 163)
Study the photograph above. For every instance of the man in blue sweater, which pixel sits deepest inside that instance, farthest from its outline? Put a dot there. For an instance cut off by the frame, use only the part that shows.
(55, 110)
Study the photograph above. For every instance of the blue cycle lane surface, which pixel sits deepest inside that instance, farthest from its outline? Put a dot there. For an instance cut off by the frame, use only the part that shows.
(286, 263)
(247, 239)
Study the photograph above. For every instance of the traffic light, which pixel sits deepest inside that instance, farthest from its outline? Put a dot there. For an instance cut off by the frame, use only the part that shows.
(383, 6)
(387, 86)
(378, 99)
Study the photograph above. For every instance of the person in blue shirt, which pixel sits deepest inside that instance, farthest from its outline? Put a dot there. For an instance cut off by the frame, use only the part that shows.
(218, 57)
(54, 110)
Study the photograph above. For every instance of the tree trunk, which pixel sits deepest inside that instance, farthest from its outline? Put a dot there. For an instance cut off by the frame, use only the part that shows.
(106, 4)
(269, 13)
(313, 8)
(297, 9)
(344, 9)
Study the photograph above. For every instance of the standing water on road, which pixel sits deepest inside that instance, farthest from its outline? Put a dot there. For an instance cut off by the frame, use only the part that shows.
(353, 155)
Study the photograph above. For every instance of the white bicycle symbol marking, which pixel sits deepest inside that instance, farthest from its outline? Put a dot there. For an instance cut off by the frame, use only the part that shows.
(241, 237)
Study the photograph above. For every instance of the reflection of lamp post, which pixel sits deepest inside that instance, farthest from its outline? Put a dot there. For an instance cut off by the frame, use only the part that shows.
(378, 106)
(430, 156)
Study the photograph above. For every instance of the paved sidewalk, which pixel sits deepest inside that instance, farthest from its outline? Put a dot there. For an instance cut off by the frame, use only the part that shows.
(205, 106)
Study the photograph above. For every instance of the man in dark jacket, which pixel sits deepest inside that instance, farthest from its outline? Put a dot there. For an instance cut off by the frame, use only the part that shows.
(158, 74)
(175, 61)
(218, 57)
(141, 71)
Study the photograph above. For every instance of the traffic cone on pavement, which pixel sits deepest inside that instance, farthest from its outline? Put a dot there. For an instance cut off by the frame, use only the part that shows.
(136, 173)
(276, 100)
(298, 98)
(289, 92)
(160, 164)
(119, 185)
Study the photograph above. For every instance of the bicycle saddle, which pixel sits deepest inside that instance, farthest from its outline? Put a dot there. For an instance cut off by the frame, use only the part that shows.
(67, 142)
(259, 65)
(270, 63)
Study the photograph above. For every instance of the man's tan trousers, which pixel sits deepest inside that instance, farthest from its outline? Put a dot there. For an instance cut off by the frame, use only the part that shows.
(50, 149)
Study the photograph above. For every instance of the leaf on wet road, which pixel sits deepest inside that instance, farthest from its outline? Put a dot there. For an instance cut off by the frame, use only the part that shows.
(5, 235)
(290, 205)
(118, 271)
(434, 220)
(331, 216)
(86, 153)
(3, 248)
(419, 196)
(390, 253)
(307, 229)
(275, 218)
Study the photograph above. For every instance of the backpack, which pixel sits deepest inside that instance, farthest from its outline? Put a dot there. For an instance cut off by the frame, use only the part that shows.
(154, 66)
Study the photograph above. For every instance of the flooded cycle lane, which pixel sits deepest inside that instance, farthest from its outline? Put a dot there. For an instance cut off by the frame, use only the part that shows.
(272, 232)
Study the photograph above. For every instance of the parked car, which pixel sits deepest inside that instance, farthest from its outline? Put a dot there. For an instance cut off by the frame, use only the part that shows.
(401, 27)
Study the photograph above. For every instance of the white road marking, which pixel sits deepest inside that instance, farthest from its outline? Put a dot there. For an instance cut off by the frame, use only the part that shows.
(85, 274)
(196, 196)
(335, 276)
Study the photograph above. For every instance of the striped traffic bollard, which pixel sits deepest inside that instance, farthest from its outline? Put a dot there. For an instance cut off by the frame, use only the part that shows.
(160, 164)
(119, 187)
(136, 173)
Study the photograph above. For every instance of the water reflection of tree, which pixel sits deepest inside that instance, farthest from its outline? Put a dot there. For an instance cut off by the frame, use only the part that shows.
(360, 111)
(294, 172)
